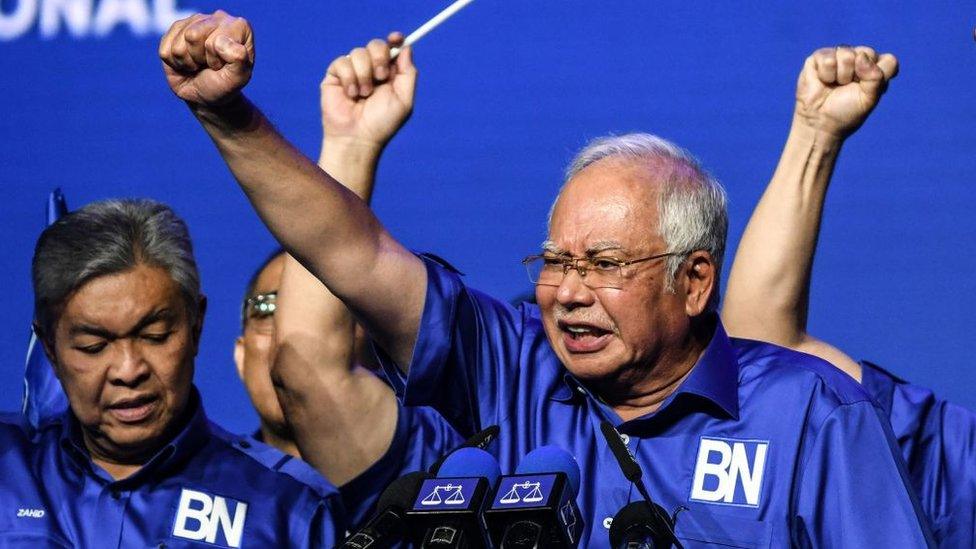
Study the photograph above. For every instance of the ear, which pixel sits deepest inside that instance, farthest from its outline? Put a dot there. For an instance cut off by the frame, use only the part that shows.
(239, 356)
(198, 327)
(47, 343)
(700, 281)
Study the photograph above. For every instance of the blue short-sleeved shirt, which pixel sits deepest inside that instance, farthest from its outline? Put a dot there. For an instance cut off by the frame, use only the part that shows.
(422, 437)
(938, 442)
(763, 446)
(205, 488)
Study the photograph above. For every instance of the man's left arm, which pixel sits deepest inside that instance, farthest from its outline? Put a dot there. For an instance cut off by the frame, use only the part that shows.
(852, 489)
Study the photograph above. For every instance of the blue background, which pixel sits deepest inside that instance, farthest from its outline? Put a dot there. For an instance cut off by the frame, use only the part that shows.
(508, 91)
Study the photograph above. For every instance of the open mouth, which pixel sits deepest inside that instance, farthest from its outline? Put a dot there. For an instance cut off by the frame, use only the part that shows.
(584, 338)
(133, 410)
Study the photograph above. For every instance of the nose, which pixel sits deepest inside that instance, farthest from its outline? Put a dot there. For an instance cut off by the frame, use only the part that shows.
(572, 292)
(129, 367)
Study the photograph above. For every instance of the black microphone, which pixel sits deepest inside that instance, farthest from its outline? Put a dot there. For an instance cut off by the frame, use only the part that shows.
(387, 526)
(536, 507)
(642, 524)
(448, 510)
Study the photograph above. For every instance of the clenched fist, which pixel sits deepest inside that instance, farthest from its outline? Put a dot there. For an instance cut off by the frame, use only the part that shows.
(208, 58)
(839, 87)
(366, 97)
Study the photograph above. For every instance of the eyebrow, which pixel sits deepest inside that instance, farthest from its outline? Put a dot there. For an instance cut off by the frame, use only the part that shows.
(595, 248)
(165, 315)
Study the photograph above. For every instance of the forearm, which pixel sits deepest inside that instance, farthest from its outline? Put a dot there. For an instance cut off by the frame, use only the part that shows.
(327, 228)
(309, 212)
(768, 289)
(352, 163)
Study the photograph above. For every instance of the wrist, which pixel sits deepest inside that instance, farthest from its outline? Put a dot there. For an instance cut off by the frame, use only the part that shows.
(805, 134)
(350, 150)
(233, 114)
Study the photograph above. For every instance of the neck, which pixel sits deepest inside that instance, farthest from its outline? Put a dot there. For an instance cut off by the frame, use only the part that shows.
(632, 398)
(280, 441)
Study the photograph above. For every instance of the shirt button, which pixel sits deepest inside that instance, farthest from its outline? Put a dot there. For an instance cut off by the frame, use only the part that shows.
(245, 444)
(580, 390)
(625, 438)
(607, 522)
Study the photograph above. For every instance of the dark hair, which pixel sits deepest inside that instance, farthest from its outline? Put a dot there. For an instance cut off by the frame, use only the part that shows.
(109, 237)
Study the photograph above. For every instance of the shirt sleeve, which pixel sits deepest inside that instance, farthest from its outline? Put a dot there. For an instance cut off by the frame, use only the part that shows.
(467, 351)
(421, 437)
(853, 490)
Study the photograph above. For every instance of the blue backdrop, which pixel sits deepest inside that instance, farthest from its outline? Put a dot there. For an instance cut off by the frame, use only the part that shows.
(508, 90)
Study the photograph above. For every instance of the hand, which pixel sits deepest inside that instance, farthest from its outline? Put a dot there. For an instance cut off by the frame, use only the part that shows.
(365, 97)
(839, 87)
(208, 59)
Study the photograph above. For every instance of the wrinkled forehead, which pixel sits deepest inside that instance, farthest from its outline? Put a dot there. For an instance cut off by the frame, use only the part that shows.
(612, 200)
(121, 300)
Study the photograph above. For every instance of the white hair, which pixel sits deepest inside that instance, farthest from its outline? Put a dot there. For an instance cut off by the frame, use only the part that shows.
(691, 204)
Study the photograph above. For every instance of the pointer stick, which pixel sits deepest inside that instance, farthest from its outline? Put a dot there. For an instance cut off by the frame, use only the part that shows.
(431, 25)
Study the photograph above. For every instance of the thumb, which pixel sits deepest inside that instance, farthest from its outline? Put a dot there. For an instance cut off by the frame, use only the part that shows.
(406, 74)
(870, 77)
(889, 65)
(231, 52)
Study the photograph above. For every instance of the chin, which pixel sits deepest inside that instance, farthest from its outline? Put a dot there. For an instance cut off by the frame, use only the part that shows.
(593, 367)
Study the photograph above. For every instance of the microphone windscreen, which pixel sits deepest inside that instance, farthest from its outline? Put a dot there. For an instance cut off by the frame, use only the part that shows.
(402, 491)
(551, 459)
(470, 462)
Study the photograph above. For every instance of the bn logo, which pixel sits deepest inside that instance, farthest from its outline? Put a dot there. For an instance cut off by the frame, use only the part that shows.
(201, 516)
(729, 471)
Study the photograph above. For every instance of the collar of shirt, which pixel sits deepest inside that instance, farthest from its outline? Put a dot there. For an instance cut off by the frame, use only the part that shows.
(184, 445)
(713, 379)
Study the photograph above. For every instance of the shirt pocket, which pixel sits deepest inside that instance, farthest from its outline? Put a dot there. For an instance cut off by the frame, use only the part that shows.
(702, 529)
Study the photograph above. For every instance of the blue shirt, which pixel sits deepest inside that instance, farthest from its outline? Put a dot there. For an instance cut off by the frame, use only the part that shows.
(422, 436)
(763, 446)
(205, 488)
(938, 442)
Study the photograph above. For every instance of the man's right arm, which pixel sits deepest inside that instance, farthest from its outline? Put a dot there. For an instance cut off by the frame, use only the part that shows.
(208, 60)
(769, 285)
(332, 402)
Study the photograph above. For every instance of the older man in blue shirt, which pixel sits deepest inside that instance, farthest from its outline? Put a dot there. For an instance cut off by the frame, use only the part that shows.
(765, 446)
(134, 462)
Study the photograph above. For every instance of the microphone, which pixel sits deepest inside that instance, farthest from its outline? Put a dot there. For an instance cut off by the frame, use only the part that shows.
(536, 506)
(481, 440)
(387, 526)
(641, 523)
(447, 511)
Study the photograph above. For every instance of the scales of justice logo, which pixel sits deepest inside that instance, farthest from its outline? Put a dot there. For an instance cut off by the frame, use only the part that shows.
(523, 492)
(453, 493)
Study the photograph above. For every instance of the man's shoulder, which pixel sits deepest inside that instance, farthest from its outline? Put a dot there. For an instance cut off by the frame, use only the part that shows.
(800, 373)
(268, 467)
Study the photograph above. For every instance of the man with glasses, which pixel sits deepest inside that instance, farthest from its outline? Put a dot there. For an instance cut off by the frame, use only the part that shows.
(760, 445)
(254, 351)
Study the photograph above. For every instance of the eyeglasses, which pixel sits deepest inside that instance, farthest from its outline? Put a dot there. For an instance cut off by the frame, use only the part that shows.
(260, 309)
(596, 272)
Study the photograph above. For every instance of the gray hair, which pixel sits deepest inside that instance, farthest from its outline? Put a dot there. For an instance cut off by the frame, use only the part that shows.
(105, 238)
(691, 204)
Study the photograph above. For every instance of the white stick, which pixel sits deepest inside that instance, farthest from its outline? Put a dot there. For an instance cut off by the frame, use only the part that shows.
(431, 25)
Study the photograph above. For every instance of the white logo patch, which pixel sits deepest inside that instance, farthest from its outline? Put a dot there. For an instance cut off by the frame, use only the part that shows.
(729, 471)
(201, 516)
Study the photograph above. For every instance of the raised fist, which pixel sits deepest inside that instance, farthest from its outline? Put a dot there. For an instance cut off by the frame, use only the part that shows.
(365, 97)
(839, 87)
(208, 58)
